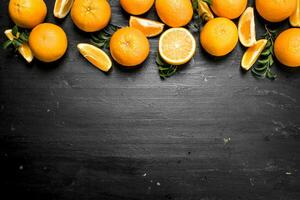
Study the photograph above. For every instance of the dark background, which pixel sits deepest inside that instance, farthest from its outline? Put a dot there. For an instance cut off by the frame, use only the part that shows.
(70, 131)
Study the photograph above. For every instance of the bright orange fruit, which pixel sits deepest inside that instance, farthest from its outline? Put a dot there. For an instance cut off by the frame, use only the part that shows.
(229, 8)
(295, 17)
(136, 7)
(149, 27)
(246, 28)
(62, 8)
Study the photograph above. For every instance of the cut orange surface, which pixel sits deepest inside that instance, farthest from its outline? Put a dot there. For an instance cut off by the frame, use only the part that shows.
(177, 46)
(95, 56)
(204, 11)
(24, 49)
(62, 8)
(295, 17)
(149, 27)
(252, 54)
(246, 28)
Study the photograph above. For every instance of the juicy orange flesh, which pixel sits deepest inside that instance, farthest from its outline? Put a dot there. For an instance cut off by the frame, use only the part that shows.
(96, 58)
(67, 6)
(253, 52)
(58, 5)
(246, 28)
(177, 46)
(147, 27)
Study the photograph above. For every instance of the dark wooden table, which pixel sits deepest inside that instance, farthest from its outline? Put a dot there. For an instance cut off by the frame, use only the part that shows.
(69, 131)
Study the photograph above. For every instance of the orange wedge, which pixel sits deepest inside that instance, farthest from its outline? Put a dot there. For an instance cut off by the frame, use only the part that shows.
(252, 54)
(177, 46)
(62, 8)
(24, 49)
(95, 56)
(204, 11)
(149, 27)
(295, 17)
(246, 28)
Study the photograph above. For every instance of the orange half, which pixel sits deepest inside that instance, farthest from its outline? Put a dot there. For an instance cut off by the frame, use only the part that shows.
(246, 28)
(252, 54)
(149, 27)
(295, 17)
(95, 56)
(24, 49)
(62, 8)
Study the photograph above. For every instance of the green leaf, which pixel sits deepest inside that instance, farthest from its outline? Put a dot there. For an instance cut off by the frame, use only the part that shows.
(24, 37)
(265, 53)
(6, 44)
(15, 30)
(263, 62)
(16, 43)
(209, 2)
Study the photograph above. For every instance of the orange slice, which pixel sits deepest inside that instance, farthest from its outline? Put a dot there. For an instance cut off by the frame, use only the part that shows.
(246, 28)
(62, 8)
(24, 49)
(177, 46)
(204, 11)
(149, 27)
(252, 54)
(295, 17)
(95, 56)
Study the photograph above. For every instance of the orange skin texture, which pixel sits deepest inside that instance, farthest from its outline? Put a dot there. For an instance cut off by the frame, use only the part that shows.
(174, 13)
(27, 13)
(228, 8)
(48, 42)
(287, 47)
(129, 47)
(91, 15)
(219, 36)
(136, 7)
(275, 10)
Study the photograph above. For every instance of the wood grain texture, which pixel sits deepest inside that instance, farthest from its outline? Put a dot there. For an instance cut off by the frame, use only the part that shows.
(69, 131)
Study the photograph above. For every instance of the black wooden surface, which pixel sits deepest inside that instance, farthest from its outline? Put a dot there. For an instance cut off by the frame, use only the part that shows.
(69, 131)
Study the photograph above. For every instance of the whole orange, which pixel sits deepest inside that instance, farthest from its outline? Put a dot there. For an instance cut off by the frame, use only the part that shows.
(27, 13)
(228, 8)
(91, 15)
(174, 13)
(219, 36)
(48, 42)
(129, 46)
(275, 10)
(287, 47)
(136, 7)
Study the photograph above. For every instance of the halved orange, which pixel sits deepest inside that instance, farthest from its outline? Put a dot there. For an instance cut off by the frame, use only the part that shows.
(252, 54)
(24, 49)
(95, 56)
(62, 8)
(295, 17)
(246, 28)
(149, 27)
(204, 11)
(177, 46)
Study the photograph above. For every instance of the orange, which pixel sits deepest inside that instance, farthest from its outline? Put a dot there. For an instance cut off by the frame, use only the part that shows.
(229, 8)
(174, 13)
(24, 49)
(136, 7)
(275, 10)
(48, 42)
(91, 15)
(62, 8)
(295, 17)
(96, 56)
(149, 27)
(177, 46)
(252, 53)
(27, 13)
(129, 46)
(219, 36)
(246, 28)
(287, 47)
(204, 11)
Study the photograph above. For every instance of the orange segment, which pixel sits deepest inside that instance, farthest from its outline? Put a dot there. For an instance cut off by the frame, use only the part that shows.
(295, 17)
(24, 49)
(95, 56)
(149, 27)
(246, 28)
(252, 54)
(177, 46)
(204, 11)
(62, 8)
